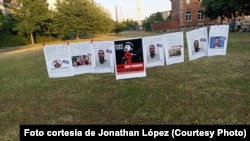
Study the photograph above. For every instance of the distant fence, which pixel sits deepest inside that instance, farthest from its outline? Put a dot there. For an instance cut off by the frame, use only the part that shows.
(172, 26)
(165, 26)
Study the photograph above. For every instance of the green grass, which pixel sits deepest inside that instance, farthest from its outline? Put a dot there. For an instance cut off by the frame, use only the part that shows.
(209, 90)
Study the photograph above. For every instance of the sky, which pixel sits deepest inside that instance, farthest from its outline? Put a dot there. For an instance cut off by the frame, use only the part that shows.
(127, 9)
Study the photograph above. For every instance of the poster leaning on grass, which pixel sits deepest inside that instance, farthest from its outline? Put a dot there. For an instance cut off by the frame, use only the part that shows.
(103, 56)
(153, 47)
(174, 47)
(129, 61)
(58, 61)
(218, 38)
(197, 41)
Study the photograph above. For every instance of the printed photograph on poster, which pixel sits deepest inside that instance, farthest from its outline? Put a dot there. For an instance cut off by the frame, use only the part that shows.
(174, 47)
(81, 57)
(103, 60)
(153, 51)
(174, 51)
(218, 38)
(217, 42)
(58, 62)
(81, 60)
(197, 41)
(129, 61)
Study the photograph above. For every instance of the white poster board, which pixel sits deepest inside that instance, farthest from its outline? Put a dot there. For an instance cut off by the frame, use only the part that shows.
(58, 61)
(103, 56)
(174, 47)
(153, 47)
(218, 38)
(197, 41)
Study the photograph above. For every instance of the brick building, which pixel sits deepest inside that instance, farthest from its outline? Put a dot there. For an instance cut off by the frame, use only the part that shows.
(185, 14)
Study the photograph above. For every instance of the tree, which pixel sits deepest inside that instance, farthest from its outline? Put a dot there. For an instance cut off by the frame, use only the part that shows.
(225, 8)
(32, 17)
(146, 24)
(244, 7)
(2, 21)
(158, 17)
(130, 24)
(7, 23)
(119, 27)
(80, 17)
(152, 19)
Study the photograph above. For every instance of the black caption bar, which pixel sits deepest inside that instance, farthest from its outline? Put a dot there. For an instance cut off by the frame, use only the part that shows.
(152, 132)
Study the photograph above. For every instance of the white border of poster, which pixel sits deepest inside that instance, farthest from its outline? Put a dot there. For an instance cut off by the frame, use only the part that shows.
(198, 36)
(155, 58)
(220, 33)
(81, 56)
(106, 51)
(58, 61)
(129, 58)
(174, 47)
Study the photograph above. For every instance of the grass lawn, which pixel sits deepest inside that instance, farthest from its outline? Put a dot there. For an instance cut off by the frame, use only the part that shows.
(209, 90)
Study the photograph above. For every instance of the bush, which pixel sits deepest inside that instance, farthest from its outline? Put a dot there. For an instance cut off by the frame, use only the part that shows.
(8, 40)
(48, 38)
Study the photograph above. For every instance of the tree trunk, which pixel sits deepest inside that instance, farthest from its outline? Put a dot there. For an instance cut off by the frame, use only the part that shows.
(221, 19)
(32, 38)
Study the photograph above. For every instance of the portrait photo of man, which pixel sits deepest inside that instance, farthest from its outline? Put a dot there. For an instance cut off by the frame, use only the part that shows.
(196, 46)
(216, 42)
(102, 61)
(152, 55)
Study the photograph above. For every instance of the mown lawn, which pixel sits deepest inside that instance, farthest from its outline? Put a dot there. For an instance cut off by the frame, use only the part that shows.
(209, 90)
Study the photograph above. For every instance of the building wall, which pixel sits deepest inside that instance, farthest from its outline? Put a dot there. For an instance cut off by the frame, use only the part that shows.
(194, 6)
(178, 13)
(165, 25)
(175, 13)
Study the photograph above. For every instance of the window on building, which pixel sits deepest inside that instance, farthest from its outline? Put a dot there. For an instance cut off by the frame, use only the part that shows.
(200, 16)
(188, 1)
(188, 16)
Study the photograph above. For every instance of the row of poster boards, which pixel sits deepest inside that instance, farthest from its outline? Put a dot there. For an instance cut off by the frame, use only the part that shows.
(129, 58)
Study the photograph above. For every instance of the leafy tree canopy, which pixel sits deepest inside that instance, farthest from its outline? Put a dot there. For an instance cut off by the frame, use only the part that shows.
(81, 17)
(152, 19)
(31, 16)
(225, 8)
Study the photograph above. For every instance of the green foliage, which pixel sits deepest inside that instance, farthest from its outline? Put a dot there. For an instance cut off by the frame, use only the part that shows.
(146, 24)
(7, 23)
(32, 17)
(2, 20)
(152, 19)
(169, 17)
(119, 27)
(158, 17)
(46, 38)
(9, 40)
(225, 8)
(130, 24)
(243, 7)
(80, 18)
